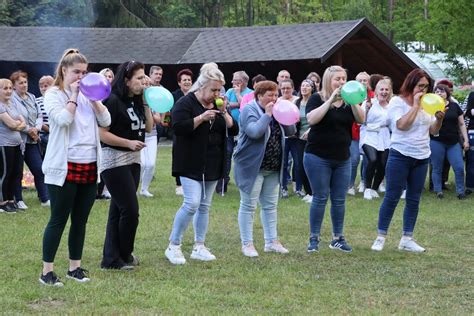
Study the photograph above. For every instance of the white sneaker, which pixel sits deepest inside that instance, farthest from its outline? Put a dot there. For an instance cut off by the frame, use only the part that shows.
(146, 193)
(174, 254)
(249, 250)
(308, 198)
(382, 187)
(361, 187)
(275, 246)
(378, 244)
(106, 194)
(409, 244)
(47, 203)
(179, 190)
(201, 252)
(21, 205)
(404, 194)
(374, 193)
(368, 194)
(351, 191)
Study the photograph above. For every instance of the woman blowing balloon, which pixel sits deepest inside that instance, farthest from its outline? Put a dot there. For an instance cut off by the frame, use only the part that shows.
(199, 155)
(327, 156)
(70, 163)
(123, 140)
(408, 157)
(258, 168)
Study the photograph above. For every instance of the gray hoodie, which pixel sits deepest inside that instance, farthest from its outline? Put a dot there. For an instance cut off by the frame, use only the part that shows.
(252, 141)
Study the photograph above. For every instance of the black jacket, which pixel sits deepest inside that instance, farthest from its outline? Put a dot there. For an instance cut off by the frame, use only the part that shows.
(190, 145)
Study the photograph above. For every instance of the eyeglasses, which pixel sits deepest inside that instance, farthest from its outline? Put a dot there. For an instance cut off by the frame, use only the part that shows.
(422, 86)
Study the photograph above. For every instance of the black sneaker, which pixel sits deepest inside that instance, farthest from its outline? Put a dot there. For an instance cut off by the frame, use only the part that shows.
(50, 279)
(313, 245)
(79, 275)
(340, 244)
(10, 208)
(461, 196)
(440, 195)
(468, 191)
(133, 261)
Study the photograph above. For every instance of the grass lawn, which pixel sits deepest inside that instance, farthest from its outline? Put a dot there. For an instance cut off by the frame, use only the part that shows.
(439, 281)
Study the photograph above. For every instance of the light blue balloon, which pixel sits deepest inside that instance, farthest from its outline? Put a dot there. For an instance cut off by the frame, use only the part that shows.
(159, 99)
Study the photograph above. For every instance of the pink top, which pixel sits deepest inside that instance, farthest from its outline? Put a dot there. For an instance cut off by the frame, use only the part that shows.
(246, 99)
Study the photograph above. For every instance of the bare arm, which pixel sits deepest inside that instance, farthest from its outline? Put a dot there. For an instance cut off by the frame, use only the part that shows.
(316, 115)
(16, 125)
(113, 140)
(406, 121)
(463, 130)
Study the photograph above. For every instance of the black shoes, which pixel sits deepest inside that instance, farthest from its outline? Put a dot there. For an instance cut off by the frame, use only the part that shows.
(50, 279)
(80, 275)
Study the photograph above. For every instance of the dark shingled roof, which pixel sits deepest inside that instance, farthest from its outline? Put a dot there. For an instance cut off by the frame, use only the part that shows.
(170, 46)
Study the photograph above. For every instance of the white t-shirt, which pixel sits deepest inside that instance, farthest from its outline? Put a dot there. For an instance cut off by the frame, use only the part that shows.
(376, 132)
(82, 139)
(414, 142)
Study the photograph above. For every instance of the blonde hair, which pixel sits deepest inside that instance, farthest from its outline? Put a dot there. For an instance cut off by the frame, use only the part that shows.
(47, 79)
(329, 73)
(4, 81)
(209, 72)
(387, 82)
(70, 57)
(106, 70)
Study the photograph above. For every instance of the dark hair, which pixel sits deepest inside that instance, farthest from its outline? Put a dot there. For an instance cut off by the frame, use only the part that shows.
(120, 89)
(446, 82)
(311, 83)
(186, 72)
(258, 78)
(17, 75)
(412, 79)
(264, 86)
(374, 79)
(445, 88)
(290, 81)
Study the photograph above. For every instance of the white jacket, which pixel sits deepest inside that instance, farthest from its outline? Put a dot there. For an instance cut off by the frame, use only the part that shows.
(55, 160)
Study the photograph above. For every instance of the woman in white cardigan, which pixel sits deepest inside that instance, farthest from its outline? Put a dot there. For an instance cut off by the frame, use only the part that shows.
(70, 164)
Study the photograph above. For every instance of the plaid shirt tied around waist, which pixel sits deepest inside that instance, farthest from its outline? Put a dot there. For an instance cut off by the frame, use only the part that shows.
(82, 173)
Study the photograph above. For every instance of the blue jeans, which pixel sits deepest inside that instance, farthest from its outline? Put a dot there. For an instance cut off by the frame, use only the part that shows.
(327, 178)
(265, 190)
(454, 153)
(33, 160)
(355, 158)
(196, 204)
(470, 161)
(291, 145)
(402, 171)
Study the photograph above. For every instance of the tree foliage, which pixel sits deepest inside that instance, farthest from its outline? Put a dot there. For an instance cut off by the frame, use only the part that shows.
(445, 25)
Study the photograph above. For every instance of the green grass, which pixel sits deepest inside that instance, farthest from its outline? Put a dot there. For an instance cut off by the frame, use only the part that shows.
(363, 282)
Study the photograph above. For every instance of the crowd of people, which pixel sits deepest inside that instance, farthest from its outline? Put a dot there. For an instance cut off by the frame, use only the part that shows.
(75, 162)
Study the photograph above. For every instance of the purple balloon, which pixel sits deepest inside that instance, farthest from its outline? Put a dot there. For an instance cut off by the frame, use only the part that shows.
(95, 86)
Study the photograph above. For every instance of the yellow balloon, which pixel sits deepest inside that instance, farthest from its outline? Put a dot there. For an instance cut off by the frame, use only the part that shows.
(432, 103)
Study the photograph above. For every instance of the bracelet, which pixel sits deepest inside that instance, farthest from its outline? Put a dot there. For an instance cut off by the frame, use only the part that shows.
(73, 102)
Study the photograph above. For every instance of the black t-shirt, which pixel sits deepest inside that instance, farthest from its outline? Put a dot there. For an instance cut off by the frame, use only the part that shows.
(449, 131)
(331, 137)
(127, 121)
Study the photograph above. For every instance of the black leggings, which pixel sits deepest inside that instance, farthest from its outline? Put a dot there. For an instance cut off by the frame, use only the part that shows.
(304, 178)
(11, 171)
(70, 199)
(122, 183)
(376, 162)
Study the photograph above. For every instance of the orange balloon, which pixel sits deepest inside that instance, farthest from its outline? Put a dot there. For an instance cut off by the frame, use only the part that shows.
(432, 103)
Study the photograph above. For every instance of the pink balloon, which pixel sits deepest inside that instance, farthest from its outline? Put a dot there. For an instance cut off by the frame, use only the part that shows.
(286, 112)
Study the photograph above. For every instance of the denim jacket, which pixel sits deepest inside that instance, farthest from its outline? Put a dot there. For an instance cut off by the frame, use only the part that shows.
(251, 144)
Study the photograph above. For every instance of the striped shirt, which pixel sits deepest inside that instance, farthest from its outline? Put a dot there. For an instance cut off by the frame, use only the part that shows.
(39, 102)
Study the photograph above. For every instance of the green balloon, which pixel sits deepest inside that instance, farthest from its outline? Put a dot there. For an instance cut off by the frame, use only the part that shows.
(353, 92)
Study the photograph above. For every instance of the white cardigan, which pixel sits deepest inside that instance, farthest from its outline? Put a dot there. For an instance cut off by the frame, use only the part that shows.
(60, 119)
